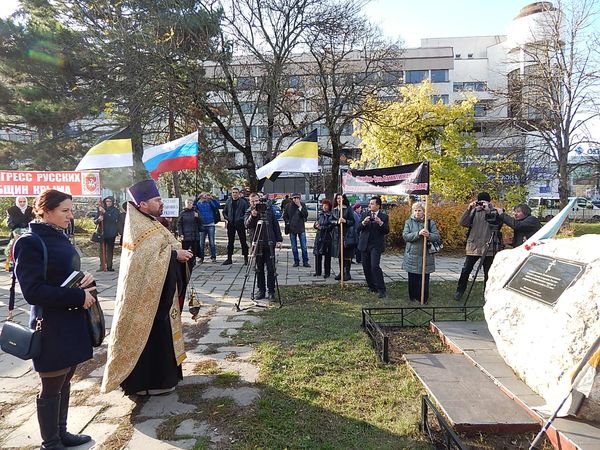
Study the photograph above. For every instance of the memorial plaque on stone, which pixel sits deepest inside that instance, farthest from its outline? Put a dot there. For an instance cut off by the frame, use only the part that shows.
(545, 278)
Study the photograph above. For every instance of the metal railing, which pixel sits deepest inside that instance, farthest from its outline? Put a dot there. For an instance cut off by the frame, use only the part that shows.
(375, 321)
(445, 437)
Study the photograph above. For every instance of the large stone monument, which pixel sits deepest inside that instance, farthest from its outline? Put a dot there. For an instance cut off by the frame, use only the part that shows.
(543, 310)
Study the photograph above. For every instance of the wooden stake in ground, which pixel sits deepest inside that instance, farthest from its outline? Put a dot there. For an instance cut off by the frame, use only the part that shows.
(341, 243)
(424, 263)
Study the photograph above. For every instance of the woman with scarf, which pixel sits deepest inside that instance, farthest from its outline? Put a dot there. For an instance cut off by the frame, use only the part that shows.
(414, 234)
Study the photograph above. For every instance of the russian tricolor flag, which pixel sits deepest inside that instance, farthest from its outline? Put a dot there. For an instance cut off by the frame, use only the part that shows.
(179, 154)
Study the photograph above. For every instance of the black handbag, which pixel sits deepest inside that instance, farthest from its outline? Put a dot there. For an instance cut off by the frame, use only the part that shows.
(20, 341)
(96, 236)
(95, 318)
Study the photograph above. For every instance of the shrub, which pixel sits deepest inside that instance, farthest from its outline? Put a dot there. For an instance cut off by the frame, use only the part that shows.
(446, 217)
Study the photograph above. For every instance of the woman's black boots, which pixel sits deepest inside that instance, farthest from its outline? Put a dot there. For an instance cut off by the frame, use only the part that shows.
(68, 439)
(47, 413)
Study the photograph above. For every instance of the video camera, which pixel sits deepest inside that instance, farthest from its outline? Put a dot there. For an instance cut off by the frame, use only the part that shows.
(492, 217)
(261, 206)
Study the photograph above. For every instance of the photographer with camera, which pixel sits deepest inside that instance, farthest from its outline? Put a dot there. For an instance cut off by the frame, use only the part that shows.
(483, 221)
(523, 223)
(261, 222)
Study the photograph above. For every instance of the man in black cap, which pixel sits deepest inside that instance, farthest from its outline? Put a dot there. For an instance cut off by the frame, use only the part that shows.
(295, 214)
(478, 238)
(146, 350)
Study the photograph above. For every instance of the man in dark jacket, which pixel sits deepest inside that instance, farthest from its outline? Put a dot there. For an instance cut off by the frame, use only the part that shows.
(233, 213)
(265, 242)
(295, 215)
(524, 224)
(373, 227)
(19, 215)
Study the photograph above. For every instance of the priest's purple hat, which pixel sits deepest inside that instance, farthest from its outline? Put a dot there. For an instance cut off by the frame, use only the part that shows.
(143, 191)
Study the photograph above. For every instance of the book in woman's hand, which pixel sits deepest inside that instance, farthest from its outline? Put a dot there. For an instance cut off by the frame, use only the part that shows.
(75, 278)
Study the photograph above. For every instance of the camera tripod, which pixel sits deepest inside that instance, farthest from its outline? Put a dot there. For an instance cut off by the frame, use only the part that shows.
(256, 249)
(493, 243)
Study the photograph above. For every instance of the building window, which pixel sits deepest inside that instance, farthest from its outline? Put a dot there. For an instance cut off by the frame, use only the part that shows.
(323, 130)
(470, 55)
(416, 76)
(296, 81)
(247, 107)
(347, 130)
(245, 83)
(444, 98)
(471, 86)
(439, 76)
(480, 110)
(393, 77)
(457, 56)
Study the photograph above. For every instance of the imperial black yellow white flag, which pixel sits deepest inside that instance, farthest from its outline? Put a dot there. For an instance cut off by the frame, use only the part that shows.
(301, 157)
(114, 150)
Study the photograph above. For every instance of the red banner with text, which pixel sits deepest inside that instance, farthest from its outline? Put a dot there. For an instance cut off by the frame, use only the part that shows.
(29, 184)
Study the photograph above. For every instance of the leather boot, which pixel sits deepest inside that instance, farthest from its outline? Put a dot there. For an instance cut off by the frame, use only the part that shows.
(347, 264)
(68, 439)
(47, 413)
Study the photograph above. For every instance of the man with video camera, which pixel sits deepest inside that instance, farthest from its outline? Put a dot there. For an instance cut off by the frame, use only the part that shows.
(524, 224)
(483, 220)
(263, 226)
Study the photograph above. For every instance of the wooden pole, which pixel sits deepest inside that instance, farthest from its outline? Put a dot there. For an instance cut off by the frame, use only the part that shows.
(341, 246)
(424, 263)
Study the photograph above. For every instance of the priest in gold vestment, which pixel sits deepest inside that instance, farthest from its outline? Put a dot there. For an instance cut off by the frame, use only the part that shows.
(146, 349)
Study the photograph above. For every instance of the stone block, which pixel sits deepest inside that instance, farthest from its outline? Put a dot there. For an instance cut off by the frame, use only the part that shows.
(540, 341)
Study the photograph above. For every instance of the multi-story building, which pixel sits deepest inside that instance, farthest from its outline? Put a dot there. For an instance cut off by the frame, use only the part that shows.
(477, 65)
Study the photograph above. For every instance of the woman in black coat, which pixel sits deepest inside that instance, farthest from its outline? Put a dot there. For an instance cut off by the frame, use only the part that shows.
(60, 311)
(322, 247)
(19, 215)
(189, 226)
(345, 220)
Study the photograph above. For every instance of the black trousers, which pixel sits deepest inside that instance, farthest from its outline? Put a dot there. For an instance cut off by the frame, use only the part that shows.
(264, 257)
(323, 260)
(232, 229)
(468, 265)
(414, 286)
(371, 259)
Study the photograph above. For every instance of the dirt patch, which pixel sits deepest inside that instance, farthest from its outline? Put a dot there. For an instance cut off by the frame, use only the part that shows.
(193, 332)
(412, 340)
(124, 432)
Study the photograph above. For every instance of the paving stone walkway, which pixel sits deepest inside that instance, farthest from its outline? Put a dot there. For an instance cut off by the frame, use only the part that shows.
(208, 343)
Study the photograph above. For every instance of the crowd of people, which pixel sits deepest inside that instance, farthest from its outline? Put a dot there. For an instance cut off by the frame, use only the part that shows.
(146, 350)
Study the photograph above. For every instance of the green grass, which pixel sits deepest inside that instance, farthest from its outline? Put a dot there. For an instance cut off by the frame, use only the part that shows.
(323, 385)
(585, 228)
